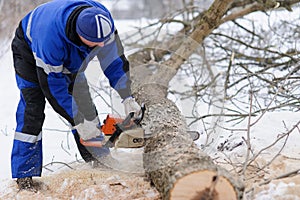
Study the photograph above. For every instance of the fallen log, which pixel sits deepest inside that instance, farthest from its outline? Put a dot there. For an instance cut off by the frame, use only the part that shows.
(173, 162)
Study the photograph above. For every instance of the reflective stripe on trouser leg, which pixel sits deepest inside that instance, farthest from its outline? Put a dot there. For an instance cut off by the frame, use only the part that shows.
(26, 158)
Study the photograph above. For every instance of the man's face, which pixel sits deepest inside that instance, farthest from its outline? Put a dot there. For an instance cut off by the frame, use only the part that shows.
(91, 44)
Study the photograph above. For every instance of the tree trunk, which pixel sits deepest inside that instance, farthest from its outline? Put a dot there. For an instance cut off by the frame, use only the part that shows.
(172, 161)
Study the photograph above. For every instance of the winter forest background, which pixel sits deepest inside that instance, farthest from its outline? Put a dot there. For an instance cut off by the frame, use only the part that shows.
(240, 89)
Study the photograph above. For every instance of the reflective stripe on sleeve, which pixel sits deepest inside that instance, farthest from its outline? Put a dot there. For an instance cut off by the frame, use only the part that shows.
(29, 27)
(48, 68)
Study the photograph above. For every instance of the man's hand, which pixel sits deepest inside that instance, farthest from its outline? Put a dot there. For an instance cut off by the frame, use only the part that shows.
(88, 129)
(131, 105)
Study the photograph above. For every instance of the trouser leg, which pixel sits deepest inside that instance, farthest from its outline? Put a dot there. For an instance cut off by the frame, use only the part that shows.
(26, 158)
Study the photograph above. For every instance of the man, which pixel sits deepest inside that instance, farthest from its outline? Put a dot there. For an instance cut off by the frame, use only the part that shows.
(51, 49)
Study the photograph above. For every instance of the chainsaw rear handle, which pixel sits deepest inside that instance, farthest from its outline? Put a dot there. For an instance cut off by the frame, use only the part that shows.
(139, 118)
(98, 144)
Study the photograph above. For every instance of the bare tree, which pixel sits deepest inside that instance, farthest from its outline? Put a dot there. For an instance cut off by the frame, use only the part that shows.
(249, 62)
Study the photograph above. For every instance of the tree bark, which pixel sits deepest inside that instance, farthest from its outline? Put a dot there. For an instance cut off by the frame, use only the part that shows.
(173, 162)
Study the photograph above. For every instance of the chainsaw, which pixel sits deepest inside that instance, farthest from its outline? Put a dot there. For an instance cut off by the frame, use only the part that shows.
(125, 133)
(121, 132)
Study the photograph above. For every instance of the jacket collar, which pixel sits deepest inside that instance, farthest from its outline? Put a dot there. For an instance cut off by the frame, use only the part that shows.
(70, 29)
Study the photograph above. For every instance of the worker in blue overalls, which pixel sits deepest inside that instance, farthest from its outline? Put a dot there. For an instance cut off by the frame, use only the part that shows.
(51, 49)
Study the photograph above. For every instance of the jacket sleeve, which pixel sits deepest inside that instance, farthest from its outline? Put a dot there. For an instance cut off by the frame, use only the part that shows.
(81, 93)
(115, 66)
(54, 82)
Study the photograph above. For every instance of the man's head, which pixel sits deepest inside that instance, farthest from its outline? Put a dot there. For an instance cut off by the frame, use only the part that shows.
(94, 26)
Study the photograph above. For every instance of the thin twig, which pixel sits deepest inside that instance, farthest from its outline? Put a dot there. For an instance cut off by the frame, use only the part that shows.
(285, 175)
(62, 146)
(57, 162)
(247, 141)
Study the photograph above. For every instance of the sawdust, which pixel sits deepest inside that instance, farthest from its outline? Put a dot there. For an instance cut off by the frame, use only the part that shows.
(121, 178)
(276, 181)
(130, 161)
(88, 183)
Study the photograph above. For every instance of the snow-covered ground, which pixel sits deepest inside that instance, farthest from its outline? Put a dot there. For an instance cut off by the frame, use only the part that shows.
(59, 147)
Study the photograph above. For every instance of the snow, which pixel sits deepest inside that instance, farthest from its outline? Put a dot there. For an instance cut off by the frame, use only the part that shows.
(8, 105)
(276, 191)
(59, 147)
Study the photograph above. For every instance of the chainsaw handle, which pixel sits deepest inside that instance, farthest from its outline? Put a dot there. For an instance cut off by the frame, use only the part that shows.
(136, 120)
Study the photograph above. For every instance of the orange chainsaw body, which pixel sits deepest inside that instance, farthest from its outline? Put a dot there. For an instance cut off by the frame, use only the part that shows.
(108, 127)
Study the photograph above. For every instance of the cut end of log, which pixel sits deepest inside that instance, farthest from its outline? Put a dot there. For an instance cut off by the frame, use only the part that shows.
(203, 185)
